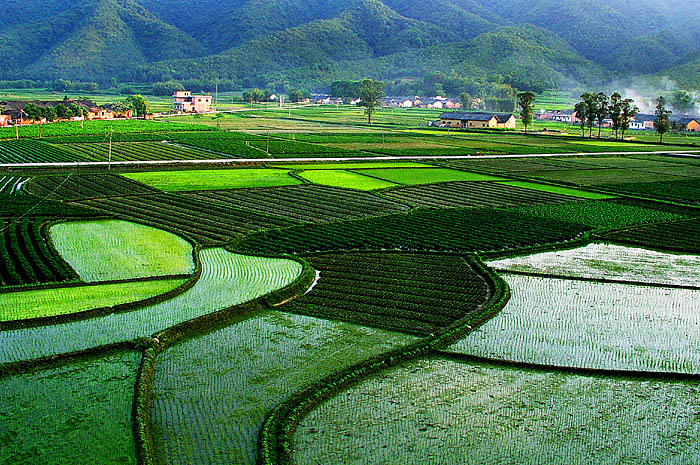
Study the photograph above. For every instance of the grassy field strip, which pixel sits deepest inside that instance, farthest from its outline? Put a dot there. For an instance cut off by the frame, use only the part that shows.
(610, 262)
(71, 414)
(440, 411)
(60, 301)
(601, 214)
(211, 393)
(348, 166)
(108, 250)
(559, 190)
(413, 176)
(348, 179)
(194, 180)
(227, 279)
(585, 324)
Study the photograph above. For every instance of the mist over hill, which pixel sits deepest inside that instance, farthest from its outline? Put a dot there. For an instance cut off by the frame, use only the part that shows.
(309, 43)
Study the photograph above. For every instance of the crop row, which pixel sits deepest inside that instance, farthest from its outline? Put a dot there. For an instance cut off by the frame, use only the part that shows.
(307, 202)
(80, 187)
(682, 236)
(282, 149)
(204, 222)
(455, 230)
(473, 194)
(340, 294)
(32, 151)
(686, 191)
(12, 184)
(27, 258)
(136, 151)
(23, 204)
(230, 143)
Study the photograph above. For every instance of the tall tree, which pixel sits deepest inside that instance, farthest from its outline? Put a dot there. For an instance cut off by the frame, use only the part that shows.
(602, 109)
(465, 99)
(526, 103)
(662, 123)
(591, 102)
(616, 112)
(580, 109)
(682, 101)
(138, 104)
(371, 94)
(629, 111)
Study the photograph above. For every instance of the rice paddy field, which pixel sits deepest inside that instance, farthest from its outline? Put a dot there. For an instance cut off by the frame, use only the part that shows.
(235, 290)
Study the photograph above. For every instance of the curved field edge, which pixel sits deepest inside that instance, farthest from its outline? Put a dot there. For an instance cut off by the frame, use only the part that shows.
(103, 311)
(161, 341)
(275, 440)
(104, 250)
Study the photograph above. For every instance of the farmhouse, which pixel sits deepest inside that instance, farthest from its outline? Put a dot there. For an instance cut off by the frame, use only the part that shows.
(689, 124)
(14, 110)
(478, 120)
(185, 102)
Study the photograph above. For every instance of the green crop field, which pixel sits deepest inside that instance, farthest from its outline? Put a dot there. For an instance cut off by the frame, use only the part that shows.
(241, 306)
(197, 376)
(174, 181)
(412, 176)
(40, 303)
(110, 250)
(445, 411)
(87, 402)
(348, 179)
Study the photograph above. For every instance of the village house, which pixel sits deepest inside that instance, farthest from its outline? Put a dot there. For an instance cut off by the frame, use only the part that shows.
(4, 120)
(479, 120)
(14, 113)
(689, 124)
(185, 102)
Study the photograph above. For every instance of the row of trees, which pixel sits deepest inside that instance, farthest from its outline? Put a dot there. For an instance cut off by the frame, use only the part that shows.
(137, 103)
(595, 108)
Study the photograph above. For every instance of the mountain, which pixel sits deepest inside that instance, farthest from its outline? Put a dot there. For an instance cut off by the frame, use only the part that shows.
(521, 43)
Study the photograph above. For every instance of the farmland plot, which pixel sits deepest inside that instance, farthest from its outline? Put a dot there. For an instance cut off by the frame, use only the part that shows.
(27, 258)
(415, 176)
(205, 222)
(138, 151)
(413, 293)
(439, 411)
(452, 230)
(105, 250)
(211, 393)
(227, 279)
(33, 151)
(472, 194)
(308, 202)
(610, 262)
(681, 235)
(199, 180)
(73, 414)
(40, 303)
(80, 187)
(592, 325)
(346, 179)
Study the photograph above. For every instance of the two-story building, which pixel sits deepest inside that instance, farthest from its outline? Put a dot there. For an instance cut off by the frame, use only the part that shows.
(185, 102)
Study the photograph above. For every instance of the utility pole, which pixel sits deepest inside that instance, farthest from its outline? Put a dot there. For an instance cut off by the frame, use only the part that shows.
(16, 131)
(109, 153)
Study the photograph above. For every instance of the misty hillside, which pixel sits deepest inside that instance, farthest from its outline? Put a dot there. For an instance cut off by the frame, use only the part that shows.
(311, 42)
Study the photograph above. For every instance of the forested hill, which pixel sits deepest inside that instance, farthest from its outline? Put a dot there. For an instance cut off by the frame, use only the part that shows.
(311, 42)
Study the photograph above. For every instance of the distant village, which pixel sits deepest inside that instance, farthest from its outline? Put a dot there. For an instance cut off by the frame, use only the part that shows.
(17, 112)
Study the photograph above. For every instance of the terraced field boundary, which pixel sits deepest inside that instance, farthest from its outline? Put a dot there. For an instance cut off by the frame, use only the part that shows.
(279, 426)
(162, 340)
(632, 375)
